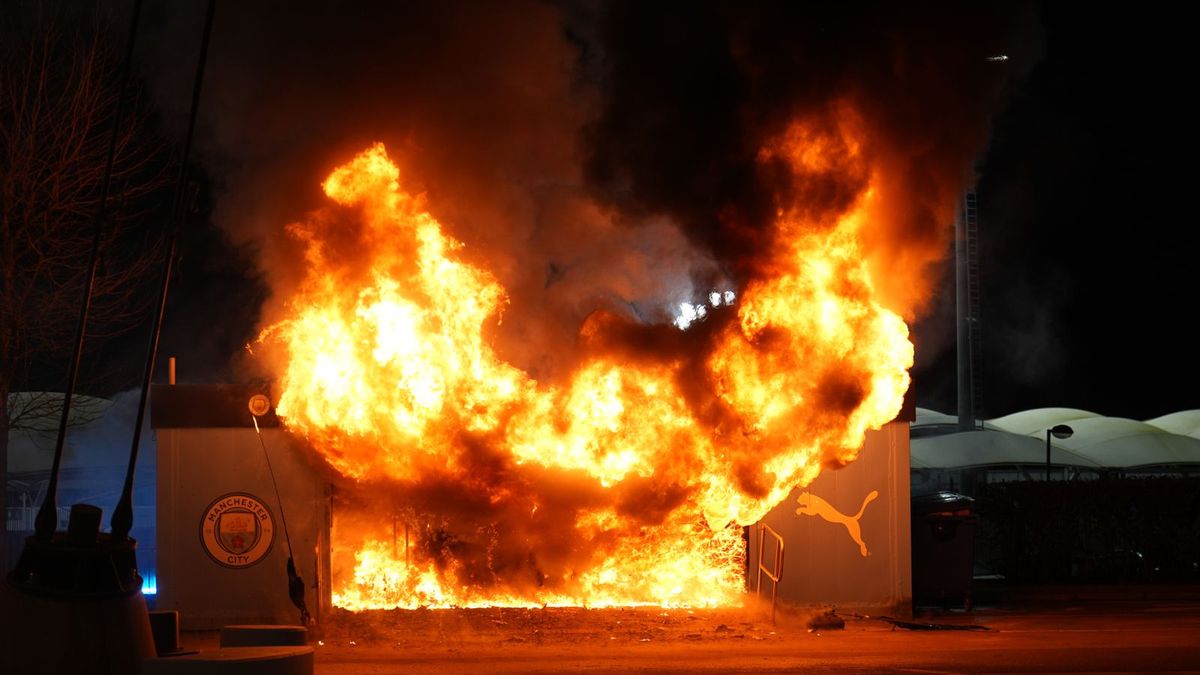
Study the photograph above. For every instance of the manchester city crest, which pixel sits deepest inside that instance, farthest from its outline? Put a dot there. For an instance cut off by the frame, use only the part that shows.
(237, 530)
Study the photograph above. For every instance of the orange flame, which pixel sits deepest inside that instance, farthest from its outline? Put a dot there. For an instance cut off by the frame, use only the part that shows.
(621, 486)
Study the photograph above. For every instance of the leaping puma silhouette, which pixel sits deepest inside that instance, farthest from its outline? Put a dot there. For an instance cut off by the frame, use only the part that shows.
(812, 505)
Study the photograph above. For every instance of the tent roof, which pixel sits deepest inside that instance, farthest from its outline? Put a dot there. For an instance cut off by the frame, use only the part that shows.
(1036, 421)
(1184, 423)
(1097, 441)
(1120, 442)
(927, 417)
(989, 448)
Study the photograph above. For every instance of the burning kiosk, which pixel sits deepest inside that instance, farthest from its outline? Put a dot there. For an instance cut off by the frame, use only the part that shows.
(222, 553)
(625, 480)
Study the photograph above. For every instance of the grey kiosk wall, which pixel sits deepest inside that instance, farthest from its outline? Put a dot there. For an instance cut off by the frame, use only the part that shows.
(222, 553)
(846, 535)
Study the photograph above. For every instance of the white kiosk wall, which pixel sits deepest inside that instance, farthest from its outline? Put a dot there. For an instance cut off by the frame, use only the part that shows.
(222, 553)
(835, 556)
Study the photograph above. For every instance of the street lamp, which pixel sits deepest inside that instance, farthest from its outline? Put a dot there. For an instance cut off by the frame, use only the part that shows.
(1059, 431)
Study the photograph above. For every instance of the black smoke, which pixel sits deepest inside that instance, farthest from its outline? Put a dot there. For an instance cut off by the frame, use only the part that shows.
(690, 92)
(594, 155)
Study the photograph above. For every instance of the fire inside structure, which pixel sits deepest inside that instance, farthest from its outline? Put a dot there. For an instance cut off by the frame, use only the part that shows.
(626, 483)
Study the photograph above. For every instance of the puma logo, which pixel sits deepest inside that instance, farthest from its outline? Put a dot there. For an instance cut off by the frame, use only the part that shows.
(812, 505)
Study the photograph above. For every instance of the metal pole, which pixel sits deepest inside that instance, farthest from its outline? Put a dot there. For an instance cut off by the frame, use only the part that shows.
(47, 517)
(962, 314)
(1047, 455)
(122, 520)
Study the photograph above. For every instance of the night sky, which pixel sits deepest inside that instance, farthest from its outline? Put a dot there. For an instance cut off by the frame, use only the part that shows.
(1088, 234)
(1088, 240)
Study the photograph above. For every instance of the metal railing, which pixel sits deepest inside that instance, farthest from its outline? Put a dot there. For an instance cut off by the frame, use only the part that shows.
(774, 574)
(21, 518)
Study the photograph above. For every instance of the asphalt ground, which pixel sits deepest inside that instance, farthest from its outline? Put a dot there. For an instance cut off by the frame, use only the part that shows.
(1050, 634)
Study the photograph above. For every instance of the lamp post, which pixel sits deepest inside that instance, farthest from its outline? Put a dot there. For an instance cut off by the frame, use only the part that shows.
(1059, 431)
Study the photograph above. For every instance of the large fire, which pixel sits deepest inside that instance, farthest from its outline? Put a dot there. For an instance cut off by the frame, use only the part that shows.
(625, 484)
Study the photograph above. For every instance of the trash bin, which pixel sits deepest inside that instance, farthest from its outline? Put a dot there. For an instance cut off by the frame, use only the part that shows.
(943, 549)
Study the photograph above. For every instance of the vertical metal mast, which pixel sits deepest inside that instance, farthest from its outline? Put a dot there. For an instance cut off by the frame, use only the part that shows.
(970, 348)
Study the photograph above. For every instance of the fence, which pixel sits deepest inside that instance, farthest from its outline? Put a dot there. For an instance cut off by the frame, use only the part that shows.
(1099, 531)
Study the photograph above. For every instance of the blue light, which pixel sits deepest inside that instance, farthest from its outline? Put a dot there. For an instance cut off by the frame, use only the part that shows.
(149, 583)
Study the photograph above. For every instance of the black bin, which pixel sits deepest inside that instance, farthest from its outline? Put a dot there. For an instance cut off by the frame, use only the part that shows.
(943, 549)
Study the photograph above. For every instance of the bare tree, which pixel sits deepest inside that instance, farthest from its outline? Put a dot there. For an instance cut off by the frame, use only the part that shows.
(57, 98)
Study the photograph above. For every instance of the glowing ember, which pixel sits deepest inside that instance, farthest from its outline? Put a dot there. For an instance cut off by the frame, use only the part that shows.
(625, 484)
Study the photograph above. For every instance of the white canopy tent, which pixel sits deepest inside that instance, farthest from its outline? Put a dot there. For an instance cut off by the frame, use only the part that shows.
(1097, 443)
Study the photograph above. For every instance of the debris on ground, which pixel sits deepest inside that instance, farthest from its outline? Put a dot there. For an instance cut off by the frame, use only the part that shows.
(827, 621)
(515, 628)
(916, 625)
